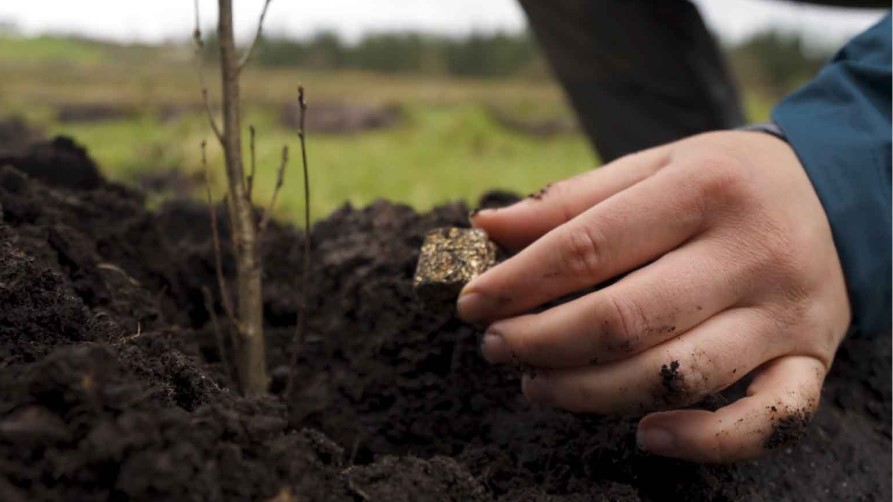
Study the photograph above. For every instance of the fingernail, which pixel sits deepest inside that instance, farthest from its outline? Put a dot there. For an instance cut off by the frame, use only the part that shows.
(655, 440)
(537, 389)
(478, 211)
(471, 306)
(495, 349)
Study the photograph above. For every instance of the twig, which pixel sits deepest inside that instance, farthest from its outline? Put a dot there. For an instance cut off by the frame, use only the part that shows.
(260, 26)
(356, 490)
(218, 335)
(353, 451)
(199, 66)
(130, 338)
(280, 179)
(301, 327)
(215, 237)
(250, 184)
(114, 268)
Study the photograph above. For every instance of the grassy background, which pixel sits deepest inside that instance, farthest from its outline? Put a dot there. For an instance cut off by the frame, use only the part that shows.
(448, 147)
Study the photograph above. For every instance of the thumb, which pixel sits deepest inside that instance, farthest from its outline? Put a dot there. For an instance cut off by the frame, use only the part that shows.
(780, 402)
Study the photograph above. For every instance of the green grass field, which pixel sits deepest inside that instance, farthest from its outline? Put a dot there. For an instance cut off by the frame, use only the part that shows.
(447, 148)
(440, 153)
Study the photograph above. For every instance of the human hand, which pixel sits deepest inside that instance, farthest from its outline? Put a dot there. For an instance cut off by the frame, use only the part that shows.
(733, 270)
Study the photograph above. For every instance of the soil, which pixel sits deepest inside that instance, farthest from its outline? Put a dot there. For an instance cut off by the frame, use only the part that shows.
(112, 386)
(15, 133)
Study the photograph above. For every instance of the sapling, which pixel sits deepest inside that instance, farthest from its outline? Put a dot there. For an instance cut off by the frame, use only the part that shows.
(247, 315)
(301, 326)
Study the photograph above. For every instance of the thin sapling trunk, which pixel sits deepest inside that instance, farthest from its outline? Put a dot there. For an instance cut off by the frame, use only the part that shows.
(247, 314)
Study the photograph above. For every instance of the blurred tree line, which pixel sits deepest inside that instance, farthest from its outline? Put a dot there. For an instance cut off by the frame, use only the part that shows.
(776, 62)
(771, 61)
(477, 55)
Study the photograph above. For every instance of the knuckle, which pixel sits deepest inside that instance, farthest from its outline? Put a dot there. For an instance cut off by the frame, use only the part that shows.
(624, 322)
(722, 178)
(789, 421)
(581, 250)
(781, 244)
(559, 192)
(681, 385)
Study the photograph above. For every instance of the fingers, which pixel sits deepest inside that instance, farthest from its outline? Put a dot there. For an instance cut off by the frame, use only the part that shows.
(779, 405)
(629, 229)
(646, 308)
(517, 226)
(677, 373)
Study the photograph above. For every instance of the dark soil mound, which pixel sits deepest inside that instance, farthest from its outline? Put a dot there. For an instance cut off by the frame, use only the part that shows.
(112, 387)
(59, 162)
(15, 133)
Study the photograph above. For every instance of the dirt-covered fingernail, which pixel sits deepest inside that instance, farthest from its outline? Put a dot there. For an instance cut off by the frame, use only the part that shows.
(479, 211)
(495, 349)
(655, 440)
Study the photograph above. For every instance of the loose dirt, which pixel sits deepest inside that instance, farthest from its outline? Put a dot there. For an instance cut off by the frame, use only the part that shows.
(112, 386)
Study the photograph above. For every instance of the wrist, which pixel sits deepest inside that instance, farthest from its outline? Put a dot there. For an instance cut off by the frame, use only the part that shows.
(768, 127)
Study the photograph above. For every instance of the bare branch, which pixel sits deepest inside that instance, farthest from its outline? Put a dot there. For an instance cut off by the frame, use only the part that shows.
(260, 26)
(215, 238)
(301, 327)
(197, 31)
(218, 335)
(199, 67)
(280, 179)
(139, 332)
(250, 188)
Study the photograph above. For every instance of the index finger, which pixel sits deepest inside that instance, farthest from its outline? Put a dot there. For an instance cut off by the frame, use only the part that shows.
(615, 236)
(516, 226)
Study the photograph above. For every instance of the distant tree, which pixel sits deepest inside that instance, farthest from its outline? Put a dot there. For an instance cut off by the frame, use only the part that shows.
(477, 55)
(776, 62)
(491, 55)
(394, 52)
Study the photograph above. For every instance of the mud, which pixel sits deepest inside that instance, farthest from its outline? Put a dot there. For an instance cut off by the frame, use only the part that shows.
(672, 380)
(539, 194)
(789, 429)
(112, 385)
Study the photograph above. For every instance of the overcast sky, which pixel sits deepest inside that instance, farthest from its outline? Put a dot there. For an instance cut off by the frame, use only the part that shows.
(156, 20)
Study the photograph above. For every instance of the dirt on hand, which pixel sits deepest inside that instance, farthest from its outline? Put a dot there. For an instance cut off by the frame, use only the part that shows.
(112, 385)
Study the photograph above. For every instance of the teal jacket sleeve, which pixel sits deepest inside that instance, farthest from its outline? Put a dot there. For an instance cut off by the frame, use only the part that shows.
(839, 126)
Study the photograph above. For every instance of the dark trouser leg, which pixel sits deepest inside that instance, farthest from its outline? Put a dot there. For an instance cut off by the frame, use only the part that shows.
(638, 72)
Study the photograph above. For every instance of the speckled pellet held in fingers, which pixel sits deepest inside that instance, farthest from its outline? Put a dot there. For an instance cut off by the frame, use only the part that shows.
(449, 259)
